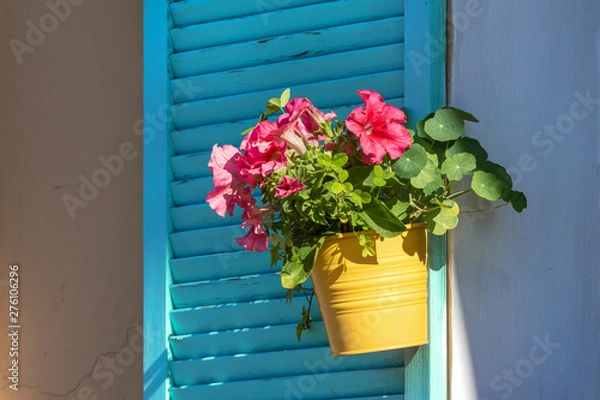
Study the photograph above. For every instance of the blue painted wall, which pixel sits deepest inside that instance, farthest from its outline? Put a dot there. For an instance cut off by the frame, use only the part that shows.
(530, 72)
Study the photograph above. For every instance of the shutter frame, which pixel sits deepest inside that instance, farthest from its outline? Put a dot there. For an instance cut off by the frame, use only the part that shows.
(167, 212)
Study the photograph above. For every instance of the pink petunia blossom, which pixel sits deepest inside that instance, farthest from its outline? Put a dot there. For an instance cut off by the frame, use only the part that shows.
(379, 128)
(288, 186)
(263, 153)
(257, 238)
(230, 189)
(300, 125)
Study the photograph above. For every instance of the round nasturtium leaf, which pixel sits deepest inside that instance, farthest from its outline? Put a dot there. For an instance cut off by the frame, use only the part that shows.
(458, 165)
(471, 146)
(487, 185)
(443, 219)
(446, 125)
(430, 173)
(410, 164)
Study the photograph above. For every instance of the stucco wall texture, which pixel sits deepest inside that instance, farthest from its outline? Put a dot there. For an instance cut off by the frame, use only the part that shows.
(71, 197)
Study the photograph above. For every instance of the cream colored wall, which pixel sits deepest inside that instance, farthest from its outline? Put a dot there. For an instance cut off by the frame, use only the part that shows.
(525, 293)
(74, 97)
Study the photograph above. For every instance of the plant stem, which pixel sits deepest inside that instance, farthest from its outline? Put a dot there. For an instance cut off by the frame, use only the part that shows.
(308, 322)
(455, 195)
(484, 209)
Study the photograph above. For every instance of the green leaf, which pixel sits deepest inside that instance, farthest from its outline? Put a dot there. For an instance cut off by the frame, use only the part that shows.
(274, 104)
(410, 164)
(378, 171)
(458, 165)
(464, 115)
(361, 177)
(443, 219)
(247, 131)
(446, 125)
(324, 159)
(487, 185)
(517, 200)
(430, 173)
(421, 127)
(293, 274)
(361, 197)
(435, 184)
(381, 219)
(398, 208)
(380, 182)
(285, 97)
(297, 269)
(299, 329)
(471, 146)
(340, 159)
(501, 174)
(343, 175)
(337, 188)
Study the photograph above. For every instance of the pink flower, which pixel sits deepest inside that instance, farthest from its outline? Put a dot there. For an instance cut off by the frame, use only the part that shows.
(379, 128)
(288, 186)
(263, 154)
(301, 123)
(257, 238)
(230, 189)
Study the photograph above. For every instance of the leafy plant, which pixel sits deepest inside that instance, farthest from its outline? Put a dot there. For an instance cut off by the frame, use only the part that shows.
(306, 176)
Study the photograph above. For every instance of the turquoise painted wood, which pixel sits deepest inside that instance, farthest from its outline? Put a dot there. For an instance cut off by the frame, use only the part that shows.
(332, 93)
(315, 69)
(272, 364)
(198, 11)
(305, 19)
(426, 366)
(156, 204)
(288, 47)
(247, 340)
(307, 387)
(230, 330)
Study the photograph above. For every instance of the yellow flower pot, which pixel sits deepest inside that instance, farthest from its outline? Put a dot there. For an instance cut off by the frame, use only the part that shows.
(373, 303)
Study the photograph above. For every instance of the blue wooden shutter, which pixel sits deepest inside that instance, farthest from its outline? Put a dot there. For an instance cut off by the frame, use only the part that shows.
(232, 333)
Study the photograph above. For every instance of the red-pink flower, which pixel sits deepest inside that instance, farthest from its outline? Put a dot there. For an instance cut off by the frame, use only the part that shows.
(300, 125)
(379, 128)
(263, 153)
(230, 189)
(288, 186)
(256, 239)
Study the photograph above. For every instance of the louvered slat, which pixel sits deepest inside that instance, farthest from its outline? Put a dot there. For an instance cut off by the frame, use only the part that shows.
(248, 340)
(248, 28)
(288, 47)
(333, 93)
(218, 266)
(189, 12)
(223, 317)
(227, 290)
(339, 385)
(233, 331)
(241, 367)
(290, 73)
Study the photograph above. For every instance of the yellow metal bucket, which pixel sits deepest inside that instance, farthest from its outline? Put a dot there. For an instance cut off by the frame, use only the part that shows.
(373, 303)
